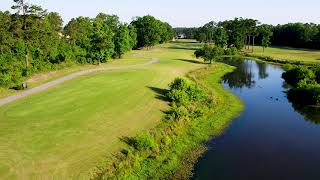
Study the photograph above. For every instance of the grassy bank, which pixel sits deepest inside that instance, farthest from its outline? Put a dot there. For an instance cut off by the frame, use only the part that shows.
(285, 55)
(171, 148)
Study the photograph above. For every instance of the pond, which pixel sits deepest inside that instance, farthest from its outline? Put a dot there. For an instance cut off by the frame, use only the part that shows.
(271, 139)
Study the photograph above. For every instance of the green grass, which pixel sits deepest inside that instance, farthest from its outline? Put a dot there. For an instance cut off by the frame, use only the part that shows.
(67, 130)
(288, 55)
(41, 78)
(178, 143)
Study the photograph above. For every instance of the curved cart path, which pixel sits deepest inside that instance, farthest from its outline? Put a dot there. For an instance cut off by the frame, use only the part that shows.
(66, 78)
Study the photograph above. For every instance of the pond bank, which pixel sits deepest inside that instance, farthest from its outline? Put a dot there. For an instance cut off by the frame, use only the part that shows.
(185, 143)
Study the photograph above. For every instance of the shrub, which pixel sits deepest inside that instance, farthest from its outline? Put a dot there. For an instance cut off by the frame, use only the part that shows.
(316, 70)
(209, 53)
(144, 141)
(231, 51)
(179, 113)
(295, 75)
(183, 92)
(305, 82)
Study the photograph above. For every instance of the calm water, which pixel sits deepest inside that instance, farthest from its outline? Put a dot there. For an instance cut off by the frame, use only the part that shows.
(272, 139)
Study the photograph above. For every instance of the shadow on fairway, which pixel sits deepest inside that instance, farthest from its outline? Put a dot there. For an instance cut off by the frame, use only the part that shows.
(294, 49)
(183, 48)
(161, 93)
(191, 61)
(184, 42)
(130, 141)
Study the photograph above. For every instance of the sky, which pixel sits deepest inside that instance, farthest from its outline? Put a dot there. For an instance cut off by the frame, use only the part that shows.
(186, 13)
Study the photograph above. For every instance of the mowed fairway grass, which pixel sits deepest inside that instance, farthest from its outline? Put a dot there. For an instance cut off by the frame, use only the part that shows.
(289, 54)
(65, 131)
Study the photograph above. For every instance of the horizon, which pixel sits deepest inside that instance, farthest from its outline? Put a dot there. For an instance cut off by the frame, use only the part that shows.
(180, 17)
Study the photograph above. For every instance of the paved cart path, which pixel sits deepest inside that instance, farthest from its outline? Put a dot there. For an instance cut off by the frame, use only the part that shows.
(66, 78)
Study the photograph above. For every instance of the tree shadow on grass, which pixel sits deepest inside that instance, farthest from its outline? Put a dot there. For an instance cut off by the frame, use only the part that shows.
(295, 48)
(191, 61)
(161, 93)
(130, 141)
(183, 48)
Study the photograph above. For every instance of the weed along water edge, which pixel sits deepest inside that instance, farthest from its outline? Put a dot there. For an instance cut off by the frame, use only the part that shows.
(271, 139)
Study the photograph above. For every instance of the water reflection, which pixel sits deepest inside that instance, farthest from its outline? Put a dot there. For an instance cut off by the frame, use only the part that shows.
(262, 67)
(310, 113)
(243, 76)
(272, 138)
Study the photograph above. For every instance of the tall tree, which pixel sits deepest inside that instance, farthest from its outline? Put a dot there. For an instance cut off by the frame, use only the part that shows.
(122, 41)
(220, 37)
(102, 47)
(266, 32)
(151, 31)
(133, 36)
(27, 11)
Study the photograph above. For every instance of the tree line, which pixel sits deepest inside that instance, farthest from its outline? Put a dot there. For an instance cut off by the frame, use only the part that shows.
(299, 35)
(241, 32)
(238, 33)
(34, 40)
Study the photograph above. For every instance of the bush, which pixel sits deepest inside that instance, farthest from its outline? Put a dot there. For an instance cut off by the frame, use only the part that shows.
(209, 53)
(316, 70)
(295, 75)
(305, 82)
(144, 141)
(183, 92)
(179, 113)
(231, 51)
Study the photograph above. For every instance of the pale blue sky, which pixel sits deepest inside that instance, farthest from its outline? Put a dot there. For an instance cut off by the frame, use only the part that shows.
(187, 12)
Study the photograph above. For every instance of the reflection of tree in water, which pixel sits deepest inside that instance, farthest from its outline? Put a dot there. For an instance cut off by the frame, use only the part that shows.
(310, 113)
(243, 76)
(262, 70)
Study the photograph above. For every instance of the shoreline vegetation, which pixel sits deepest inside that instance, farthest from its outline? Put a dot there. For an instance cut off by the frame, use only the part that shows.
(200, 110)
(284, 55)
(305, 85)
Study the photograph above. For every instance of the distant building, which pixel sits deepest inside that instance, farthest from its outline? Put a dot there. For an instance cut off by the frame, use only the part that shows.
(181, 36)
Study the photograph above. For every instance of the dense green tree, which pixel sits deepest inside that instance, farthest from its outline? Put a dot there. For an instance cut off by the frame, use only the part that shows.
(79, 31)
(151, 31)
(30, 15)
(297, 35)
(220, 37)
(123, 40)
(266, 33)
(147, 30)
(237, 32)
(133, 36)
(209, 53)
(102, 45)
(166, 32)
